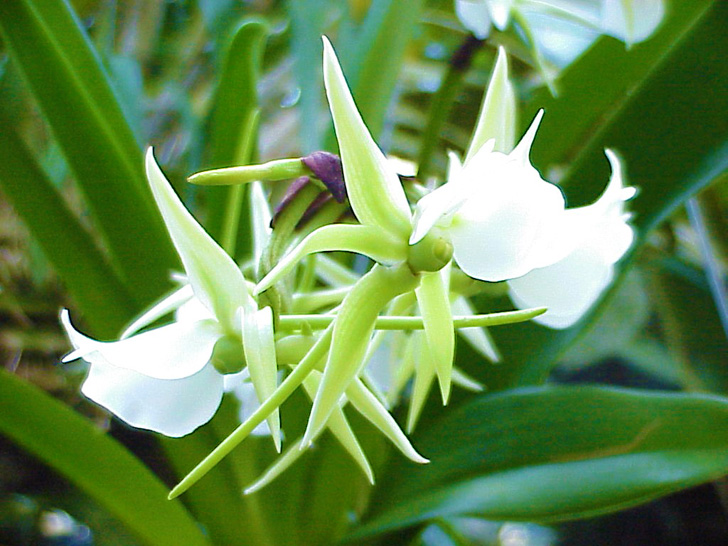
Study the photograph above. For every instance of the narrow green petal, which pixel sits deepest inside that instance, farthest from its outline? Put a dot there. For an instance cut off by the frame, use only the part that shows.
(424, 376)
(340, 428)
(433, 296)
(367, 404)
(281, 394)
(289, 456)
(497, 118)
(464, 381)
(370, 241)
(373, 187)
(214, 277)
(260, 354)
(260, 220)
(353, 328)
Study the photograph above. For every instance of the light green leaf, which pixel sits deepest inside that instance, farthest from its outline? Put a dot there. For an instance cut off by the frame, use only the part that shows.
(550, 454)
(93, 462)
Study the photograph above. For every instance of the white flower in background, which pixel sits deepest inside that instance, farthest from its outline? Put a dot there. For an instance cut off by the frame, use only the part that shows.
(171, 379)
(563, 29)
(570, 286)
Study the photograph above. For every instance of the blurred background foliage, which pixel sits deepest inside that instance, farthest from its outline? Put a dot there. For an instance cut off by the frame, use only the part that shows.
(663, 105)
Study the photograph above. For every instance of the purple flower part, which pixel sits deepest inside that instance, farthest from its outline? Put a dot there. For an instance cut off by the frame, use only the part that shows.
(327, 168)
(296, 186)
(317, 204)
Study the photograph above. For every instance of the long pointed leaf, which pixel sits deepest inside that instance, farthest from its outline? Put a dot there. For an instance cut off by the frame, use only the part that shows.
(91, 281)
(73, 91)
(95, 463)
(549, 454)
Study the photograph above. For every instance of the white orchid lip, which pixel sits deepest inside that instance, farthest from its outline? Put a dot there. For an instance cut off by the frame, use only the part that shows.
(600, 236)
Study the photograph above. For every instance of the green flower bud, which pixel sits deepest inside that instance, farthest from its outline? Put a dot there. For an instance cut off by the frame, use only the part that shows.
(228, 355)
(431, 253)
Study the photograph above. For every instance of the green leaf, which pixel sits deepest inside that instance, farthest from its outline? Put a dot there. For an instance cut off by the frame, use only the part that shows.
(95, 463)
(87, 275)
(232, 125)
(550, 454)
(63, 71)
(667, 129)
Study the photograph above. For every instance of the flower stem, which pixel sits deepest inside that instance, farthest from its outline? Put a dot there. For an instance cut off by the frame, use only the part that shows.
(297, 322)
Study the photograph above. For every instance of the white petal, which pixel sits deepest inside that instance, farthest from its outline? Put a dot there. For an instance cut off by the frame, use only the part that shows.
(508, 224)
(178, 350)
(475, 16)
(437, 206)
(171, 407)
(632, 21)
(568, 288)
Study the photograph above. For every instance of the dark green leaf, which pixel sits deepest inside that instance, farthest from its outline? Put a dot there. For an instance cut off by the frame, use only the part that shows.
(95, 463)
(62, 70)
(549, 454)
(88, 277)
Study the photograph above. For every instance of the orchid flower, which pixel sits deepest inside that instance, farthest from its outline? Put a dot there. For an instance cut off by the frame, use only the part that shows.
(563, 29)
(171, 379)
(411, 253)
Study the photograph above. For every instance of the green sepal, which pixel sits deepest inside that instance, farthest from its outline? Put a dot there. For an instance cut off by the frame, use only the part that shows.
(424, 376)
(372, 409)
(433, 297)
(260, 354)
(370, 241)
(353, 328)
(214, 277)
(497, 117)
(373, 187)
(340, 428)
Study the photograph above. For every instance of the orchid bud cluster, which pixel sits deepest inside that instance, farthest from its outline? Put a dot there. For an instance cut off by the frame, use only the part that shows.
(495, 220)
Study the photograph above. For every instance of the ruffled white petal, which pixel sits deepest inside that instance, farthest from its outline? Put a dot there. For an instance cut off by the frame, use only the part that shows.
(568, 288)
(171, 407)
(175, 351)
(506, 227)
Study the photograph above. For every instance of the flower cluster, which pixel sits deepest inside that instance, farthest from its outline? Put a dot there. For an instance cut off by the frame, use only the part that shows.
(495, 220)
